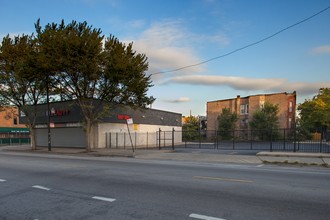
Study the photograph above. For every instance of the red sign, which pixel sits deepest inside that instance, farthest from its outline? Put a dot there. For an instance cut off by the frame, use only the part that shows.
(123, 117)
(61, 112)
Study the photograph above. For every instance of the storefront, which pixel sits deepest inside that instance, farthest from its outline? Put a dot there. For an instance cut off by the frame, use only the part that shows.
(67, 127)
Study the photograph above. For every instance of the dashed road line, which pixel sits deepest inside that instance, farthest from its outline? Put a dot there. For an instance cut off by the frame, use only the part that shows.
(40, 187)
(204, 217)
(2, 180)
(223, 179)
(104, 198)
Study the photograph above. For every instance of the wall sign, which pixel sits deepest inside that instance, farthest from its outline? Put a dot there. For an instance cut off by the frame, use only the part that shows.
(60, 112)
(123, 117)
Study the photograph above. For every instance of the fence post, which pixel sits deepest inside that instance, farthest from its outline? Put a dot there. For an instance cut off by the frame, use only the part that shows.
(284, 139)
(250, 137)
(135, 140)
(124, 140)
(116, 139)
(200, 139)
(159, 139)
(110, 139)
(321, 141)
(216, 140)
(173, 138)
(233, 139)
(294, 138)
(106, 140)
(271, 140)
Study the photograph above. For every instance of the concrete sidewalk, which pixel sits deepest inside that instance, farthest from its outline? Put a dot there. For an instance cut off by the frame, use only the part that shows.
(189, 156)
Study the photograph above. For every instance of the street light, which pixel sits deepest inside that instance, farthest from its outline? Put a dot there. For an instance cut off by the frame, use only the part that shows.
(48, 114)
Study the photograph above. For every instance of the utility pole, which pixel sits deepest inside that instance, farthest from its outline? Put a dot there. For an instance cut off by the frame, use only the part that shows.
(48, 114)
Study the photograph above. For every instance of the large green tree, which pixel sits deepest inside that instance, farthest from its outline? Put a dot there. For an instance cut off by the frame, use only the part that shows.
(92, 73)
(20, 77)
(265, 121)
(315, 112)
(226, 123)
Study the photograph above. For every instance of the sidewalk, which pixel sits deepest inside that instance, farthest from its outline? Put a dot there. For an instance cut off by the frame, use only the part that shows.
(192, 156)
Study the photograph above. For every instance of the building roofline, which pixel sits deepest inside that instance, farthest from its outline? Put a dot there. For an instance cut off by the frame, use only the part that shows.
(265, 94)
(115, 104)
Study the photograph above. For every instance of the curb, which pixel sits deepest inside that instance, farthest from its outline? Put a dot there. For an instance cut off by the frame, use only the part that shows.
(320, 159)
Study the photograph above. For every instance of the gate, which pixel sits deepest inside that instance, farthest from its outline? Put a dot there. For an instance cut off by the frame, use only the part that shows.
(165, 139)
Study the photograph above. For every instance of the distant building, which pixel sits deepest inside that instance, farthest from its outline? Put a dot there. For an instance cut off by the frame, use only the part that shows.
(11, 132)
(246, 106)
(9, 117)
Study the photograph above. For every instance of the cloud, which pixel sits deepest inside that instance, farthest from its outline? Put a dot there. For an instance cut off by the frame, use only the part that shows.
(325, 49)
(251, 84)
(166, 45)
(169, 45)
(179, 100)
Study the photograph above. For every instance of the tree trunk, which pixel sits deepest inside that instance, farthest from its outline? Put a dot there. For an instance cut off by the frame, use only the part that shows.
(33, 139)
(89, 135)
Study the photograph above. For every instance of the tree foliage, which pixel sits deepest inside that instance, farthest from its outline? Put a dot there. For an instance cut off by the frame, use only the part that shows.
(21, 83)
(265, 121)
(226, 123)
(191, 128)
(75, 62)
(315, 113)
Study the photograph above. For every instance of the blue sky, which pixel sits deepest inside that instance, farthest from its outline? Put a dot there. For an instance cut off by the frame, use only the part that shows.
(174, 34)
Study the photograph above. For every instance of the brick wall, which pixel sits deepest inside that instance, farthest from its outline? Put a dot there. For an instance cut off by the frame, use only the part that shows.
(9, 118)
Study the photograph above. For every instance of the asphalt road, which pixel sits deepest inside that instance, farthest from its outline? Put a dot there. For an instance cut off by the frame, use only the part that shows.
(63, 187)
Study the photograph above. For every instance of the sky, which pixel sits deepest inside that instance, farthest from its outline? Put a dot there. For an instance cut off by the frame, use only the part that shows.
(175, 34)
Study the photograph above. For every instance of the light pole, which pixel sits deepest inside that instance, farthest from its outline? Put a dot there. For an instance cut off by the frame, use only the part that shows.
(48, 114)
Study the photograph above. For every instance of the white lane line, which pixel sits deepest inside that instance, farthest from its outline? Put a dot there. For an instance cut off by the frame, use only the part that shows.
(2, 180)
(223, 179)
(41, 187)
(204, 217)
(103, 198)
(260, 165)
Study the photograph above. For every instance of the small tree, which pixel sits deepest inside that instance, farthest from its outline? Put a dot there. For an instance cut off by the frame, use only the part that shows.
(315, 113)
(226, 123)
(191, 128)
(265, 121)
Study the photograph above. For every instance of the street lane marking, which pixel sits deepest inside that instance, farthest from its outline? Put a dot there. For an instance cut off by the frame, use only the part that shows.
(204, 217)
(223, 179)
(260, 165)
(41, 187)
(2, 180)
(104, 198)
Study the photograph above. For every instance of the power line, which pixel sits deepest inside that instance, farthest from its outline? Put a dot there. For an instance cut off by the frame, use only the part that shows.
(244, 47)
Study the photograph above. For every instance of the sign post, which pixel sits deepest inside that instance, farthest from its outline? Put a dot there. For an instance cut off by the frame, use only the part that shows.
(129, 121)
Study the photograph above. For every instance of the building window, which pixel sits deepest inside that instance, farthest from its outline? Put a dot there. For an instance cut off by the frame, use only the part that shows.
(290, 106)
(244, 109)
(15, 121)
(290, 123)
(261, 104)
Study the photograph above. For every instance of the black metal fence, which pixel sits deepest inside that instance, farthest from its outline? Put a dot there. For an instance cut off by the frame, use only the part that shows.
(294, 140)
(10, 138)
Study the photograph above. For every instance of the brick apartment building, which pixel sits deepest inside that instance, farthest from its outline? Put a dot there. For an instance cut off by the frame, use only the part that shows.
(246, 106)
(9, 118)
